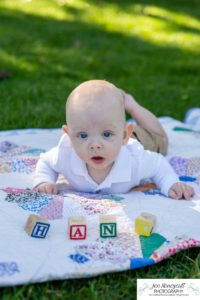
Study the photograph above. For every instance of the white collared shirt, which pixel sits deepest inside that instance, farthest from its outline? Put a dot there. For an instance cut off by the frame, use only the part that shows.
(132, 165)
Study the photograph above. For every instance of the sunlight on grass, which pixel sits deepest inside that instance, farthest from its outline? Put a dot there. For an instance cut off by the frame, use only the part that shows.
(179, 19)
(168, 28)
(44, 8)
(16, 62)
(155, 25)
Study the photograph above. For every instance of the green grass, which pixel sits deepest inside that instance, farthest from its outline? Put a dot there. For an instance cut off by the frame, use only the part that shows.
(148, 48)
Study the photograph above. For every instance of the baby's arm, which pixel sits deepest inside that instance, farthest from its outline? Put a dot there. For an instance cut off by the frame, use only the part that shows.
(181, 190)
(155, 166)
(144, 117)
(45, 175)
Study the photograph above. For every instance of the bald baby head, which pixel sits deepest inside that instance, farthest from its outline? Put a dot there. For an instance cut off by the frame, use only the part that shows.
(95, 97)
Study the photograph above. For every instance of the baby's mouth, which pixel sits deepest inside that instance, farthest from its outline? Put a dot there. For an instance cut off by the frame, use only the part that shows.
(98, 159)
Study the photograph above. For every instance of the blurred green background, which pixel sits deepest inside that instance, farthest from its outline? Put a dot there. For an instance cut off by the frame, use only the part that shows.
(149, 48)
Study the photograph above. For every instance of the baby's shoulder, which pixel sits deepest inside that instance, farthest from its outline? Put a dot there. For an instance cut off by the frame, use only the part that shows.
(134, 147)
(64, 142)
(56, 154)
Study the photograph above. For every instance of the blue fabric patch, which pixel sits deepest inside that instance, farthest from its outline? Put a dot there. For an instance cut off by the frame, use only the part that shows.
(79, 258)
(8, 269)
(30, 201)
(34, 151)
(6, 146)
(153, 192)
(99, 196)
(187, 178)
(114, 197)
(140, 262)
(18, 165)
(35, 205)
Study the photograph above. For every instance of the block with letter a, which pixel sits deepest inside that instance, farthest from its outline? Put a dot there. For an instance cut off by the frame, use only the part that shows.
(77, 228)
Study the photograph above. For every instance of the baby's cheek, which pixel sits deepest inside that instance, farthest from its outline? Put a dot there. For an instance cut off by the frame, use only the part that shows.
(81, 153)
(114, 151)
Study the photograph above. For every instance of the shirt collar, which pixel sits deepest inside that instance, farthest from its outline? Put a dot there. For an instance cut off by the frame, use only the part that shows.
(120, 172)
(79, 168)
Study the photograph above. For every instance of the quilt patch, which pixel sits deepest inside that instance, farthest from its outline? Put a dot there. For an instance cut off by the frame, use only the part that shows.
(96, 203)
(8, 269)
(14, 158)
(189, 167)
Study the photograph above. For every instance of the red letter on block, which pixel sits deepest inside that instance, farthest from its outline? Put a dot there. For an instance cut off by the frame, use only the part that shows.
(77, 232)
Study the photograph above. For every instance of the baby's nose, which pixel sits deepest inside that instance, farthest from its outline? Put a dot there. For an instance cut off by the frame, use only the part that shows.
(95, 145)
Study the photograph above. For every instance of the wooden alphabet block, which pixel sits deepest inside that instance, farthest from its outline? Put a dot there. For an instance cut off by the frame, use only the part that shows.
(37, 226)
(144, 224)
(108, 226)
(77, 228)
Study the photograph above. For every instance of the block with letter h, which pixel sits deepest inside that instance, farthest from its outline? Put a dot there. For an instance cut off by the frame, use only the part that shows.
(37, 226)
(108, 226)
(77, 228)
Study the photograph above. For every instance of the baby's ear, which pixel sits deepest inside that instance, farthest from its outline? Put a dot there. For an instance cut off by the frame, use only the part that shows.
(128, 130)
(65, 129)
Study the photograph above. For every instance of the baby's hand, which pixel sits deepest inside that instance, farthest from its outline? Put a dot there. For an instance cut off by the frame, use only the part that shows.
(181, 190)
(47, 188)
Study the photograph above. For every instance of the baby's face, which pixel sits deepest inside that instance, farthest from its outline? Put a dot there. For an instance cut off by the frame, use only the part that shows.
(97, 130)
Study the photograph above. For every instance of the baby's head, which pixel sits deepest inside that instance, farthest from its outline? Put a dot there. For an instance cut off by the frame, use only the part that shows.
(95, 98)
(96, 123)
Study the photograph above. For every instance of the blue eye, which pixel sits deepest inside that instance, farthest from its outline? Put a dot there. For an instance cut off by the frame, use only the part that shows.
(107, 134)
(83, 135)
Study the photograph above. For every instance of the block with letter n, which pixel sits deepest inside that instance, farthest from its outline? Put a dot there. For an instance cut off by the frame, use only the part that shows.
(108, 226)
(77, 228)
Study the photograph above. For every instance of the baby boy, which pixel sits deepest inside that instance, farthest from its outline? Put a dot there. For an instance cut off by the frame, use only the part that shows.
(97, 153)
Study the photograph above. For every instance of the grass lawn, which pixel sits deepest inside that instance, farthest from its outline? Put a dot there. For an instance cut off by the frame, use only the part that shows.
(150, 48)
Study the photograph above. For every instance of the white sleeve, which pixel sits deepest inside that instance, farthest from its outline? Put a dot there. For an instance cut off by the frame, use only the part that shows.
(155, 166)
(45, 169)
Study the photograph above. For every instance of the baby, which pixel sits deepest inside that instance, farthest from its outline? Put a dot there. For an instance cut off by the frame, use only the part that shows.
(97, 152)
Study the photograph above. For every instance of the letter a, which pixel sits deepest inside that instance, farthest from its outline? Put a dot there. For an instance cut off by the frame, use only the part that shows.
(78, 232)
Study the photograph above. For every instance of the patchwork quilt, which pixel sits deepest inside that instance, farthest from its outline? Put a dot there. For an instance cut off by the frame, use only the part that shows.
(25, 259)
